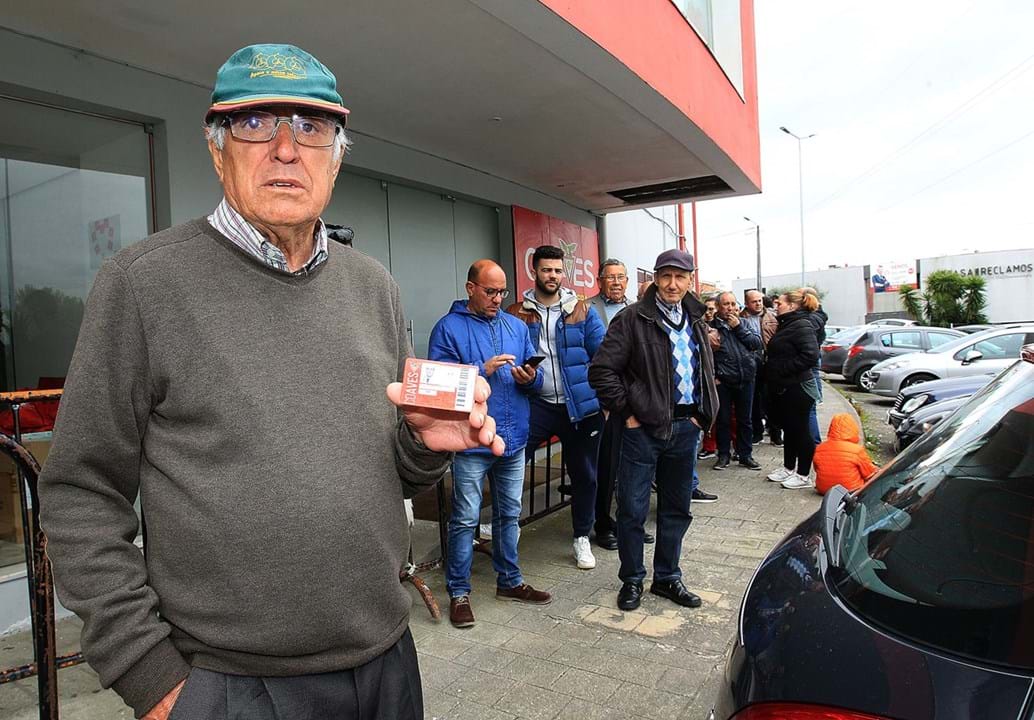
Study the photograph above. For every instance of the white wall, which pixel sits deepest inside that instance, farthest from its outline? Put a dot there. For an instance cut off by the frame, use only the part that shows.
(636, 239)
(844, 300)
(1009, 275)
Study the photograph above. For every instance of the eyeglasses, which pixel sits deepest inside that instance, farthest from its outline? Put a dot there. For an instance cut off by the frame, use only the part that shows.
(258, 126)
(492, 292)
(614, 278)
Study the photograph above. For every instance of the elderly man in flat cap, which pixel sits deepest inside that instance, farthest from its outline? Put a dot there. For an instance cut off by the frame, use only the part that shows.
(231, 374)
(655, 372)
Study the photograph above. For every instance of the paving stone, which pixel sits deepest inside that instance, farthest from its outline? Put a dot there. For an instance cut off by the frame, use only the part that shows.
(586, 685)
(534, 703)
(438, 674)
(438, 704)
(539, 646)
(579, 709)
(475, 711)
(638, 701)
(534, 671)
(442, 645)
(486, 658)
(684, 681)
(480, 687)
(626, 644)
(484, 632)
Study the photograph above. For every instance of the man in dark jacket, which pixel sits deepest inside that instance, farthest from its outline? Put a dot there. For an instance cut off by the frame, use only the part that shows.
(735, 363)
(477, 332)
(655, 371)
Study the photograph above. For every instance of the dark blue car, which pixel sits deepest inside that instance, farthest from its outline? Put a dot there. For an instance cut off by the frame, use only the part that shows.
(912, 599)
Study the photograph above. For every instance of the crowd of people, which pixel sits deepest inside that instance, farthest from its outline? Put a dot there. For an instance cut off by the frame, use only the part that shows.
(637, 391)
(238, 374)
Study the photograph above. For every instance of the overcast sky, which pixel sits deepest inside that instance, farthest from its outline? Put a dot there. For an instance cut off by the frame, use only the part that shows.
(923, 114)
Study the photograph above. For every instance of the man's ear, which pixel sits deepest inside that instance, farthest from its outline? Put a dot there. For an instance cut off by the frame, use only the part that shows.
(217, 159)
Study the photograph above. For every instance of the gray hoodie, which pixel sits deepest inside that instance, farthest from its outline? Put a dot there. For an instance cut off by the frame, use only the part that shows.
(552, 389)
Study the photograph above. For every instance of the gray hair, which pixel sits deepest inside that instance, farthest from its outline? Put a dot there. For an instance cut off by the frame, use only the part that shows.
(215, 133)
(609, 262)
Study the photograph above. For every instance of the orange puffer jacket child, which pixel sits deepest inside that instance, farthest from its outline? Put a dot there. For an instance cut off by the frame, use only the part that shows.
(840, 460)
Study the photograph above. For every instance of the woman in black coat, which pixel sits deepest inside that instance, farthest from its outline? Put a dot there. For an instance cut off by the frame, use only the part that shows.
(792, 392)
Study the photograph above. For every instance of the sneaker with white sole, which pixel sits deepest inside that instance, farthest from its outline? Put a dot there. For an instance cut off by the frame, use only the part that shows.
(797, 482)
(780, 475)
(583, 553)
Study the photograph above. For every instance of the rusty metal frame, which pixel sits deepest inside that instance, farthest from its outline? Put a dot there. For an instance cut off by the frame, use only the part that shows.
(37, 566)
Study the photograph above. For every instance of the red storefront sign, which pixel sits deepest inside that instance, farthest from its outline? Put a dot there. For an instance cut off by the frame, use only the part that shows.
(580, 246)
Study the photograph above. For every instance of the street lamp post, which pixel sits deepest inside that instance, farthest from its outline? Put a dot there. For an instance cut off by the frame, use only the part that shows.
(757, 249)
(800, 180)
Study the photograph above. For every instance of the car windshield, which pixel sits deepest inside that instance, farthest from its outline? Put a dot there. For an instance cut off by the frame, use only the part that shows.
(939, 547)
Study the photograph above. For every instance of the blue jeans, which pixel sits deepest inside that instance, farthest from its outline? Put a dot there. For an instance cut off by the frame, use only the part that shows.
(506, 481)
(673, 463)
(813, 417)
(735, 400)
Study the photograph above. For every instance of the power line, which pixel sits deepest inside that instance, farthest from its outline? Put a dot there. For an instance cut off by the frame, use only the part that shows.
(943, 121)
(956, 172)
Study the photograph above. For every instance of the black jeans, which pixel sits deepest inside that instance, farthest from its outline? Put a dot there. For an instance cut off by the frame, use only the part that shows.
(385, 688)
(792, 407)
(757, 410)
(581, 443)
(606, 473)
(671, 462)
(738, 398)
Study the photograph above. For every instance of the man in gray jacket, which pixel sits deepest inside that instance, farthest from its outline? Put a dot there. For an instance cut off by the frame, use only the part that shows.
(230, 373)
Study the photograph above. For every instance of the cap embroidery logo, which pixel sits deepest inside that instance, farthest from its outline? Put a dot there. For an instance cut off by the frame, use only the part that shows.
(286, 67)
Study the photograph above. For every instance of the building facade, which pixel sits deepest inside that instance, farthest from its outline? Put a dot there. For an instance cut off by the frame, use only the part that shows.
(465, 113)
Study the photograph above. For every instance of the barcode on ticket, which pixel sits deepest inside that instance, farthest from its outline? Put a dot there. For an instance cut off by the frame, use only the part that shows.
(445, 386)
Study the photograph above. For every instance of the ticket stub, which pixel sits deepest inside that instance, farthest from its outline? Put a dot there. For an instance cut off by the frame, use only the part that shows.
(439, 385)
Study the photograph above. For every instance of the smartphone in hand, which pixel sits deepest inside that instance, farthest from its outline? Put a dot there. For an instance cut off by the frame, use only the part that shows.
(534, 360)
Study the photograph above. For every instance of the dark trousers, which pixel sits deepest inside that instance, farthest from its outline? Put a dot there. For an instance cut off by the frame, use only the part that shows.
(757, 409)
(385, 688)
(671, 462)
(606, 474)
(792, 407)
(738, 399)
(581, 442)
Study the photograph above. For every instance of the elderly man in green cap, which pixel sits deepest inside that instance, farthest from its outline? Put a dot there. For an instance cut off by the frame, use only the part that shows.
(231, 374)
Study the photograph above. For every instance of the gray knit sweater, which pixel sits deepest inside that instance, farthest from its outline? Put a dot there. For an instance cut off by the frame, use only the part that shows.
(246, 408)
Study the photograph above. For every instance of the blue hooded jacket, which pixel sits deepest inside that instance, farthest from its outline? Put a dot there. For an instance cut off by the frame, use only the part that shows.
(464, 337)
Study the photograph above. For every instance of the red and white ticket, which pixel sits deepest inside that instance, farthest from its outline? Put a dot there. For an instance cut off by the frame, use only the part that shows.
(439, 385)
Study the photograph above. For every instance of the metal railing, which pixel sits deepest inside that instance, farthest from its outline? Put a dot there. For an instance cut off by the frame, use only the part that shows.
(37, 566)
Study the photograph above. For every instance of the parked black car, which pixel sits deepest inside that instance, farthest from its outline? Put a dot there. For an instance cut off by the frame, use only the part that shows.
(925, 419)
(912, 598)
(834, 350)
(921, 395)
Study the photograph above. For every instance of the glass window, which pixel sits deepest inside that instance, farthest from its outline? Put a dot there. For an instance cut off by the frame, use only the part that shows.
(1002, 347)
(885, 340)
(938, 547)
(937, 339)
(908, 340)
(74, 189)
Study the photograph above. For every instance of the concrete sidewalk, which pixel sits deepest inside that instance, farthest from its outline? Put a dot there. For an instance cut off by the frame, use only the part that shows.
(579, 657)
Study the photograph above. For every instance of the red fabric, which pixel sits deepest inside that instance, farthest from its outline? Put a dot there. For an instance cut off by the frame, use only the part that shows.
(840, 460)
(33, 417)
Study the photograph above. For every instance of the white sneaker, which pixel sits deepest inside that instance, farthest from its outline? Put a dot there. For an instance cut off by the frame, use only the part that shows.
(780, 475)
(797, 482)
(583, 553)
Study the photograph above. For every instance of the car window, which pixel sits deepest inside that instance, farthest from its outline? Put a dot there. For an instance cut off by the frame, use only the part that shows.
(937, 339)
(907, 340)
(885, 340)
(938, 546)
(1003, 346)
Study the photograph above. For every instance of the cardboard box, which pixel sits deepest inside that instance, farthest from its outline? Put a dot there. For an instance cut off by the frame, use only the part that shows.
(10, 504)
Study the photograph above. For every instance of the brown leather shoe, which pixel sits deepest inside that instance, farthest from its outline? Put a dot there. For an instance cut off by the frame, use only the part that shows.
(526, 594)
(461, 615)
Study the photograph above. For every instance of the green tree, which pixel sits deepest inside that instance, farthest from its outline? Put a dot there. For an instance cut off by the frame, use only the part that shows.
(45, 326)
(949, 299)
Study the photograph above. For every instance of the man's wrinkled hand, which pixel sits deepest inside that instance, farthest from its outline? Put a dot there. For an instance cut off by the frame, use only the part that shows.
(445, 431)
(163, 709)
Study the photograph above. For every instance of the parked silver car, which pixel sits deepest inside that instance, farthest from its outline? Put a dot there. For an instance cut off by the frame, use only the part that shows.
(983, 352)
(879, 342)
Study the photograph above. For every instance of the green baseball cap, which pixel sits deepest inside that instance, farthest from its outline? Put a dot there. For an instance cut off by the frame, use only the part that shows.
(274, 75)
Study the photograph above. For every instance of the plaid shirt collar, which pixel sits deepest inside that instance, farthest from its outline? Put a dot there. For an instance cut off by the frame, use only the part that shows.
(244, 235)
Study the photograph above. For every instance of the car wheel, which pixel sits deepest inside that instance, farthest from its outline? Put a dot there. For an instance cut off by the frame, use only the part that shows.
(860, 380)
(916, 379)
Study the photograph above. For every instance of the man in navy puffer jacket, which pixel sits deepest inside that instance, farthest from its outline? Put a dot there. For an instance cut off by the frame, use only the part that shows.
(477, 332)
(567, 332)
